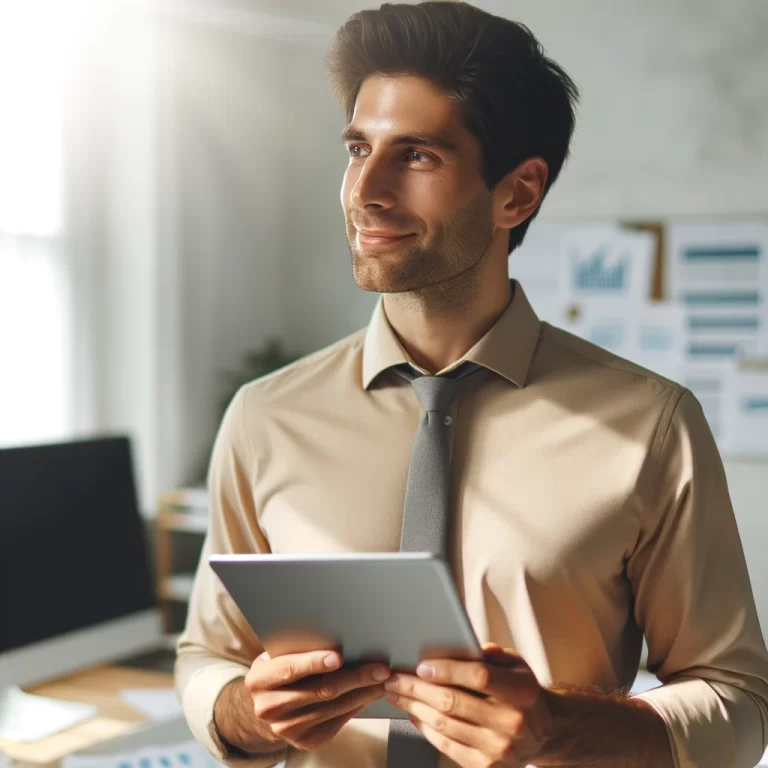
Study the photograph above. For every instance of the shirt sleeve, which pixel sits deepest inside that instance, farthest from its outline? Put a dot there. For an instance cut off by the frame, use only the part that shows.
(217, 645)
(694, 600)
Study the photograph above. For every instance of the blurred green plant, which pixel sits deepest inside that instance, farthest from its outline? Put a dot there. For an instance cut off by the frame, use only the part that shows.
(271, 356)
(255, 364)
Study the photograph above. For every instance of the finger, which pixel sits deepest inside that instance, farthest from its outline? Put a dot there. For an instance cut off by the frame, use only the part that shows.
(503, 656)
(314, 738)
(274, 673)
(455, 703)
(302, 720)
(516, 685)
(467, 757)
(275, 704)
(491, 742)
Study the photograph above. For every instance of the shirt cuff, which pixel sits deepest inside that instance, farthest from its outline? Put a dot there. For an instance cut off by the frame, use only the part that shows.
(700, 733)
(198, 701)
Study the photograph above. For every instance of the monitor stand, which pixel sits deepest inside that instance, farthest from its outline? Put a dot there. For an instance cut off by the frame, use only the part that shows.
(26, 718)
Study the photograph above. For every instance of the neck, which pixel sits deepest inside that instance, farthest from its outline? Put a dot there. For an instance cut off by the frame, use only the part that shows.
(437, 325)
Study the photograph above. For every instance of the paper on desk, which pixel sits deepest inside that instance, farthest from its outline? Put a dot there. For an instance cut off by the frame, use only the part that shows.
(186, 755)
(25, 718)
(153, 703)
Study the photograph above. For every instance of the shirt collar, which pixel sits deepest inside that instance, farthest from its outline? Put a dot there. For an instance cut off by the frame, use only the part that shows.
(506, 349)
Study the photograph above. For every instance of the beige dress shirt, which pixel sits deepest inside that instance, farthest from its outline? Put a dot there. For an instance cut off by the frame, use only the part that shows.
(589, 508)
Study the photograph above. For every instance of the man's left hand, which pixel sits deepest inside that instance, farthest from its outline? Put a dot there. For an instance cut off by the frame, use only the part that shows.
(482, 714)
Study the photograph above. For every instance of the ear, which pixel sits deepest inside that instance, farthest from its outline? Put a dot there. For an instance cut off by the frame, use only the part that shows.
(519, 193)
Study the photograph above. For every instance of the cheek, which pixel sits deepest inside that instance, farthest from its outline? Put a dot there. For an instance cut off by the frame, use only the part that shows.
(433, 191)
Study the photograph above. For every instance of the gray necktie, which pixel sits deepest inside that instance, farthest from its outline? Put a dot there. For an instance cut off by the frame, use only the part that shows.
(426, 518)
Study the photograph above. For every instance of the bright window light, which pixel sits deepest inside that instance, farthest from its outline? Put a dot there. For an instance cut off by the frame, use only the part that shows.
(35, 342)
(33, 56)
(36, 43)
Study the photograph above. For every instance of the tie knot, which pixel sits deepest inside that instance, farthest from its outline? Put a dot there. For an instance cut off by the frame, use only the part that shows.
(436, 393)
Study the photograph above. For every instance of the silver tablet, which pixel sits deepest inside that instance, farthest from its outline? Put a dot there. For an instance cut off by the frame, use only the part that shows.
(399, 608)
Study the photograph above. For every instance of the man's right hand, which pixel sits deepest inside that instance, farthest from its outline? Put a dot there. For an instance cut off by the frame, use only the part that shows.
(304, 699)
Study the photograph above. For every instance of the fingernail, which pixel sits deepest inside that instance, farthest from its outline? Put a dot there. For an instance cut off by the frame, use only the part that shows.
(332, 660)
(425, 671)
(264, 657)
(392, 698)
(380, 674)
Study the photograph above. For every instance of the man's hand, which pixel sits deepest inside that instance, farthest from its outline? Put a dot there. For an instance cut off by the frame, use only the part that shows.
(305, 699)
(478, 713)
(494, 714)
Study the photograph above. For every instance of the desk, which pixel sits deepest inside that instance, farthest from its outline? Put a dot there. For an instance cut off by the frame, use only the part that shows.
(99, 686)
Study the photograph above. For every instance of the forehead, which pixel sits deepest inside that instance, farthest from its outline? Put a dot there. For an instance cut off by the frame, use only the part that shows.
(388, 104)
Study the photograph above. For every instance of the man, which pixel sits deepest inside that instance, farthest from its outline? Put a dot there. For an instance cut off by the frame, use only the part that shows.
(588, 503)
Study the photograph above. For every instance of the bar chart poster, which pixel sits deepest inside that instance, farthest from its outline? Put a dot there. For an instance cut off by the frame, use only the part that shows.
(607, 262)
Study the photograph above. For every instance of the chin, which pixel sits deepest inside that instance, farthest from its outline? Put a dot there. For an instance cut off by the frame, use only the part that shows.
(372, 275)
(379, 277)
(372, 278)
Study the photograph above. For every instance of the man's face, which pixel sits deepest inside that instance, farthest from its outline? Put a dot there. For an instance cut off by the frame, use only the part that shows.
(417, 210)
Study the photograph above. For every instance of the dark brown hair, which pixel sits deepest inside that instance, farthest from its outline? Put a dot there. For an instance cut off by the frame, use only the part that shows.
(515, 100)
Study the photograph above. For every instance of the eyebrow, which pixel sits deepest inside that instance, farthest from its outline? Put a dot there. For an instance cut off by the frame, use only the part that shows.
(408, 139)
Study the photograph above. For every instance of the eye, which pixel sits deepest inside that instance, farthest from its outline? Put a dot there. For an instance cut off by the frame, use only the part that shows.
(417, 157)
(355, 150)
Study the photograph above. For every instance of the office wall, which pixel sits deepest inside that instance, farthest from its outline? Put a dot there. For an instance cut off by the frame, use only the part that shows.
(220, 146)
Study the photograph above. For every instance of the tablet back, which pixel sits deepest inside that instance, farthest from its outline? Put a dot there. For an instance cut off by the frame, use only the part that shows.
(399, 608)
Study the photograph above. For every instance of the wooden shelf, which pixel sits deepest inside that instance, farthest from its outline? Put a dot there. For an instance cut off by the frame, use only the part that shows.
(188, 522)
(177, 586)
(182, 511)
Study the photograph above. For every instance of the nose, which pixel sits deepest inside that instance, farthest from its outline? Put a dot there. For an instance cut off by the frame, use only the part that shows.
(374, 185)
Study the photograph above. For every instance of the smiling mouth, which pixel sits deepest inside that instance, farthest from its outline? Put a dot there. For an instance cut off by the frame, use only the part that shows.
(379, 240)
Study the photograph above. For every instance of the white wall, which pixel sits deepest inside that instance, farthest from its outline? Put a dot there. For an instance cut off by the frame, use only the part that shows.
(222, 155)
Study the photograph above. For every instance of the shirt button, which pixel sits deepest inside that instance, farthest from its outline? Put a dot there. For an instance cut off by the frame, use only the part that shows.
(448, 421)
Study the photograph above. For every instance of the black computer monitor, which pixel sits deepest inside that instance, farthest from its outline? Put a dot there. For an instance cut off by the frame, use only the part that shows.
(75, 578)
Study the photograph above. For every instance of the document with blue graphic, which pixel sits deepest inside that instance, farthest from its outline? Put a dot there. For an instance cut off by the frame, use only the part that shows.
(718, 271)
(186, 755)
(649, 333)
(746, 408)
(607, 262)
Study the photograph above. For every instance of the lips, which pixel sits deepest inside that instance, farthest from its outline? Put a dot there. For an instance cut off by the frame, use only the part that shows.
(372, 238)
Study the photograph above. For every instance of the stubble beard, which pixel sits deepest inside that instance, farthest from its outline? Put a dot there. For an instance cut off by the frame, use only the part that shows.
(441, 269)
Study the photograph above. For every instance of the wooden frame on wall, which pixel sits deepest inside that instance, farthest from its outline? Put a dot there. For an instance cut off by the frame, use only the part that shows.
(655, 228)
